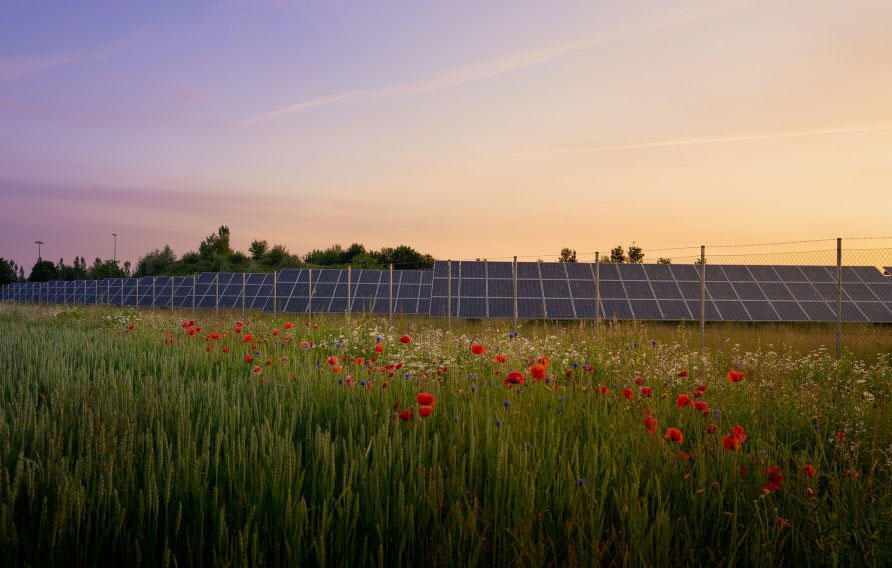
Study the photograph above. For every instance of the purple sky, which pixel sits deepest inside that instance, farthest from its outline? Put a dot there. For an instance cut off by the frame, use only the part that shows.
(465, 129)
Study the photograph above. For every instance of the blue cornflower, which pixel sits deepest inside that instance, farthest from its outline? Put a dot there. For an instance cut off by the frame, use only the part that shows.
(498, 422)
(580, 482)
(474, 388)
(377, 338)
(717, 412)
(506, 403)
(472, 375)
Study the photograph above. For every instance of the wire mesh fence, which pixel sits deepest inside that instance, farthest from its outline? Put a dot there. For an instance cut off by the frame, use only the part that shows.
(838, 288)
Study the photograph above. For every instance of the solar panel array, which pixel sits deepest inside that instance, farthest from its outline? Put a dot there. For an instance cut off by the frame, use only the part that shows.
(661, 292)
(487, 290)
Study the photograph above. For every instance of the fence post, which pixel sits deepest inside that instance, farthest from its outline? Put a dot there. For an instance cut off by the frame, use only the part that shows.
(349, 284)
(449, 294)
(514, 275)
(597, 292)
(275, 291)
(194, 284)
(390, 294)
(702, 296)
(154, 278)
(217, 293)
(243, 295)
(310, 294)
(838, 296)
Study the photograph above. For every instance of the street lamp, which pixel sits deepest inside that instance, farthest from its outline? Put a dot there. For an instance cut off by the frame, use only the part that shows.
(115, 251)
(38, 243)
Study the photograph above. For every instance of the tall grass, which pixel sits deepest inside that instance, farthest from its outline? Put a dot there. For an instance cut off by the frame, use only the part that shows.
(119, 447)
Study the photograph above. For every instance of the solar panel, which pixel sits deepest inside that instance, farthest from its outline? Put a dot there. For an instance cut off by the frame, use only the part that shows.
(580, 271)
(804, 292)
(712, 314)
(776, 291)
(818, 311)
(632, 272)
(612, 289)
(553, 270)
(559, 308)
(748, 291)
(875, 311)
(732, 310)
(675, 310)
(608, 271)
(646, 309)
(858, 292)
(818, 273)
(737, 273)
(582, 288)
(882, 291)
(714, 273)
(584, 308)
(689, 290)
(639, 289)
(789, 311)
(528, 270)
(665, 289)
(720, 290)
(764, 273)
(555, 288)
(760, 311)
(658, 272)
(529, 308)
(500, 270)
(472, 269)
(790, 273)
(619, 309)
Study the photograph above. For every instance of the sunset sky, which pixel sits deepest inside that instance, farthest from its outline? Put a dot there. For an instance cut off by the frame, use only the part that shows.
(465, 128)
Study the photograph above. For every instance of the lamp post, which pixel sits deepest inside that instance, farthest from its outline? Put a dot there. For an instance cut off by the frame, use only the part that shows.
(39, 244)
(115, 250)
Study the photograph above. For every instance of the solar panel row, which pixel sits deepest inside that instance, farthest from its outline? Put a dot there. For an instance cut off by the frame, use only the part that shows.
(660, 292)
(487, 290)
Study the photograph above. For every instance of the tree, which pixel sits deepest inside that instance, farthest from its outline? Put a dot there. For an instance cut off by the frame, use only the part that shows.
(7, 271)
(276, 255)
(156, 262)
(216, 244)
(43, 271)
(617, 254)
(636, 255)
(105, 269)
(258, 249)
(567, 255)
(662, 260)
(238, 259)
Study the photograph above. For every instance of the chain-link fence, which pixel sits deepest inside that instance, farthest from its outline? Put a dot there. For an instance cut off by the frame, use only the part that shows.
(839, 289)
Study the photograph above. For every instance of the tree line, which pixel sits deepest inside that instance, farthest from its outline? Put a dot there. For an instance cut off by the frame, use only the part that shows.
(215, 254)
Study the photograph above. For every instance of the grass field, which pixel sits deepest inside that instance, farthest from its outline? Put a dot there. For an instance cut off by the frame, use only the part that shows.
(157, 445)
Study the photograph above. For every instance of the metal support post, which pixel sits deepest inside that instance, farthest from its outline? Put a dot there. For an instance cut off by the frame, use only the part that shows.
(514, 276)
(449, 294)
(702, 296)
(390, 295)
(275, 291)
(349, 285)
(194, 284)
(217, 292)
(838, 297)
(243, 294)
(154, 278)
(310, 294)
(597, 291)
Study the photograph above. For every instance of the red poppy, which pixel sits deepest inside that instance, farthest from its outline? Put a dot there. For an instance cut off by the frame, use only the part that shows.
(673, 435)
(735, 376)
(851, 474)
(405, 339)
(544, 360)
(359, 361)
(238, 329)
(627, 393)
(276, 332)
(248, 358)
(500, 358)
(810, 492)
(477, 349)
(682, 401)
(226, 350)
(514, 378)
(808, 470)
(682, 373)
(646, 391)
(650, 424)
(405, 415)
(425, 411)
(744, 471)
(603, 390)
(288, 325)
(248, 338)
(337, 368)
(782, 523)
(130, 327)
(639, 380)
(711, 429)
(682, 455)
(841, 435)
(774, 479)
(425, 399)
(332, 360)
(537, 372)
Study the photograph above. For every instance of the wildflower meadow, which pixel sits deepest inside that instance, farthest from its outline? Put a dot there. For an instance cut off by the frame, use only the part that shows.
(137, 438)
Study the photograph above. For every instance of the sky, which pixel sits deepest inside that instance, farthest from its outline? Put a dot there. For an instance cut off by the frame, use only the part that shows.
(465, 129)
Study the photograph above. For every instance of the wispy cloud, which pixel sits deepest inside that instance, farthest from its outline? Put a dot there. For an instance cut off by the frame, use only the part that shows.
(680, 142)
(15, 66)
(191, 95)
(490, 68)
